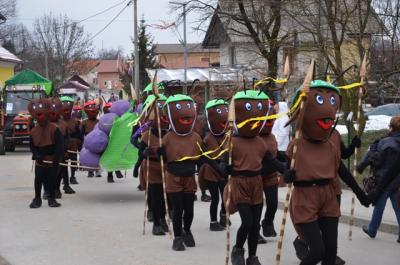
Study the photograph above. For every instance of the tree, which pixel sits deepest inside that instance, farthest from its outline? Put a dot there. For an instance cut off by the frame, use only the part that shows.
(59, 41)
(253, 21)
(109, 54)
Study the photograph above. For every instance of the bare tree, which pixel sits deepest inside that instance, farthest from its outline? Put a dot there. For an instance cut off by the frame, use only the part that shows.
(109, 54)
(251, 21)
(61, 41)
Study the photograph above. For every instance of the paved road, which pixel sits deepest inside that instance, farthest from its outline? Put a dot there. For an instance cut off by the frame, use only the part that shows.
(102, 224)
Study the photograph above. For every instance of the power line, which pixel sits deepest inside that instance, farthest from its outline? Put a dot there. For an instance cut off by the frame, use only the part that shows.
(111, 21)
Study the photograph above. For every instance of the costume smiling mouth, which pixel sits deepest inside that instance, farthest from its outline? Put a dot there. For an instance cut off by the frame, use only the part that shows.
(269, 123)
(222, 125)
(325, 123)
(164, 119)
(185, 120)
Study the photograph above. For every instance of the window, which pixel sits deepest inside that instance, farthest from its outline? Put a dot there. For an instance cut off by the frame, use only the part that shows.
(232, 55)
(205, 59)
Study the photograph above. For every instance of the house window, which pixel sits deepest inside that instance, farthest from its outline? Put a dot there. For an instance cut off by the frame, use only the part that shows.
(232, 55)
(205, 59)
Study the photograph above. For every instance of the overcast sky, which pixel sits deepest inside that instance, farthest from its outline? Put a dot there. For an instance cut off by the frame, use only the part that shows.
(119, 32)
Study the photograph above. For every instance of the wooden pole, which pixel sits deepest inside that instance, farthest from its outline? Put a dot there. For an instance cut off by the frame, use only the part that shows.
(146, 191)
(305, 89)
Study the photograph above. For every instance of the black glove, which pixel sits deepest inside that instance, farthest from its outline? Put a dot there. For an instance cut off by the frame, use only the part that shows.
(136, 171)
(356, 142)
(374, 196)
(147, 152)
(39, 159)
(364, 200)
(161, 152)
(289, 176)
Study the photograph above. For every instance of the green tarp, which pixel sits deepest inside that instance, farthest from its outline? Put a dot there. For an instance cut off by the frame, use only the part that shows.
(29, 77)
(120, 154)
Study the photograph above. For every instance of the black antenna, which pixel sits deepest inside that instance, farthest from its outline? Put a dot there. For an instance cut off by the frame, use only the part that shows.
(27, 99)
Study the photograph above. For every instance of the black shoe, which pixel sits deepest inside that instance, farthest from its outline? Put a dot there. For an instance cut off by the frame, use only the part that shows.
(45, 195)
(150, 216)
(119, 174)
(237, 256)
(98, 175)
(110, 178)
(205, 198)
(72, 180)
(253, 260)
(58, 194)
(164, 225)
(261, 240)
(68, 190)
(339, 261)
(158, 231)
(301, 248)
(36, 203)
(53, 203)
(365, 229)
(215, 226)
(189, 239)
(90, 174)
(222, 220)
(398, 239)
(268, 230)
(178, 245)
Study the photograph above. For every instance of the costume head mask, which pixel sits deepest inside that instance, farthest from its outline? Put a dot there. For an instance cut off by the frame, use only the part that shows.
(67, 105)
(323, 102)
(269, 124)
(250, 104)
(217, 116)
(55, 109)
(91, 109)
(39, 110)
(181, 112)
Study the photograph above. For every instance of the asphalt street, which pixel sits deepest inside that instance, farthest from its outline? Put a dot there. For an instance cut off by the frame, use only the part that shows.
(102, 224)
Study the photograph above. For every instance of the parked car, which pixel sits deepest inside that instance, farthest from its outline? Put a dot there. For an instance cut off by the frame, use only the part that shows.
(388, 110)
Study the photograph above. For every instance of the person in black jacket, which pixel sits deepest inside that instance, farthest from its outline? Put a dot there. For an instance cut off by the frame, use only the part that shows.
(384, 157)
(46, 144)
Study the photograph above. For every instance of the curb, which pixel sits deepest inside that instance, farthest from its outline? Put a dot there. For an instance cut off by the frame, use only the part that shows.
(358, 222)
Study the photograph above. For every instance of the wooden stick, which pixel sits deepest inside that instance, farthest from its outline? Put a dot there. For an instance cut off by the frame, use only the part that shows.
(77, 166)
(146, 191)
(156, 94)
(363, 71)
(305, 89)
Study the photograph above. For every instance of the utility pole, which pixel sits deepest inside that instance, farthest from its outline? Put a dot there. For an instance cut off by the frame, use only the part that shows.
(185, 55)
(136, 45)
(46, 64)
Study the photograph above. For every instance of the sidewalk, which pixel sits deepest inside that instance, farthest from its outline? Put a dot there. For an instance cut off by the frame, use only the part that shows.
(362, 215)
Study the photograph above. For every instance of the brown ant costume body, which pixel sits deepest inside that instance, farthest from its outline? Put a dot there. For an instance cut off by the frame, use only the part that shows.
(46, 144)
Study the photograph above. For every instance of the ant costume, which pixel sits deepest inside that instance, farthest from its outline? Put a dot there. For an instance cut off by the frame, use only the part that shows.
(217, 118)
(46, 145)
(55, 117)
(92, 110)
(314, 207)
(75, 135)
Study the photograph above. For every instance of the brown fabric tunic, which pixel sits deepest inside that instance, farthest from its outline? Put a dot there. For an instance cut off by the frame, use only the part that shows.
(206, 171)
(44, 136)
(62, 126)
(247, 154)
(88, 125)
(74, 143)
(272, 145)
(155, 176)
(314, 162)
(177, 147)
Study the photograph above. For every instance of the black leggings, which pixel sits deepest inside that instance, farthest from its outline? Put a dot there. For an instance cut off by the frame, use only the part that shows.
(46, 176)
(250, 227)
(64, 175)
(216, 188)
(73, 157)
(321, 237)
(271, 197)
(157, 205)
(182, 204)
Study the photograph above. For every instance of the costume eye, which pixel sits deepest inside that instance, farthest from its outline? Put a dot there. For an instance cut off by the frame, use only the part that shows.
(40, 106)
(259, 106)
(178, 106)
(226, 109)
(219, 111)
(189, 105)
(159, 105)
(33, 106)
(247, 106)
(319, 99)
(54, 105)
(333, 100)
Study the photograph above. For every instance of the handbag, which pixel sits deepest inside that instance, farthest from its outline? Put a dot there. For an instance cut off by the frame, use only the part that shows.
(370, 184)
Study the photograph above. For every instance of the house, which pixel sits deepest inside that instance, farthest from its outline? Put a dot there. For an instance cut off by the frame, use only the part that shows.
(108, 75)
(238, 49)
(8, 62)
(85, 70)
(171, 56)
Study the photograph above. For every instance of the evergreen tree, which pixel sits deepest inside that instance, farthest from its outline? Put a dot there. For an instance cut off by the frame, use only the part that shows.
(146, 54)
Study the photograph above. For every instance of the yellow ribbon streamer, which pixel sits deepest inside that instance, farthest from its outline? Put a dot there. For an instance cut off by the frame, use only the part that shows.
(350, 86)
(265, 80)
(273, 116)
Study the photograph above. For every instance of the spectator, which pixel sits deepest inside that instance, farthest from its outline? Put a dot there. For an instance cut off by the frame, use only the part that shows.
(384, 157)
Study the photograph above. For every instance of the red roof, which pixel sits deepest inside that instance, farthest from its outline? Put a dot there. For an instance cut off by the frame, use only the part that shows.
(82, 67)
(109, 66)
